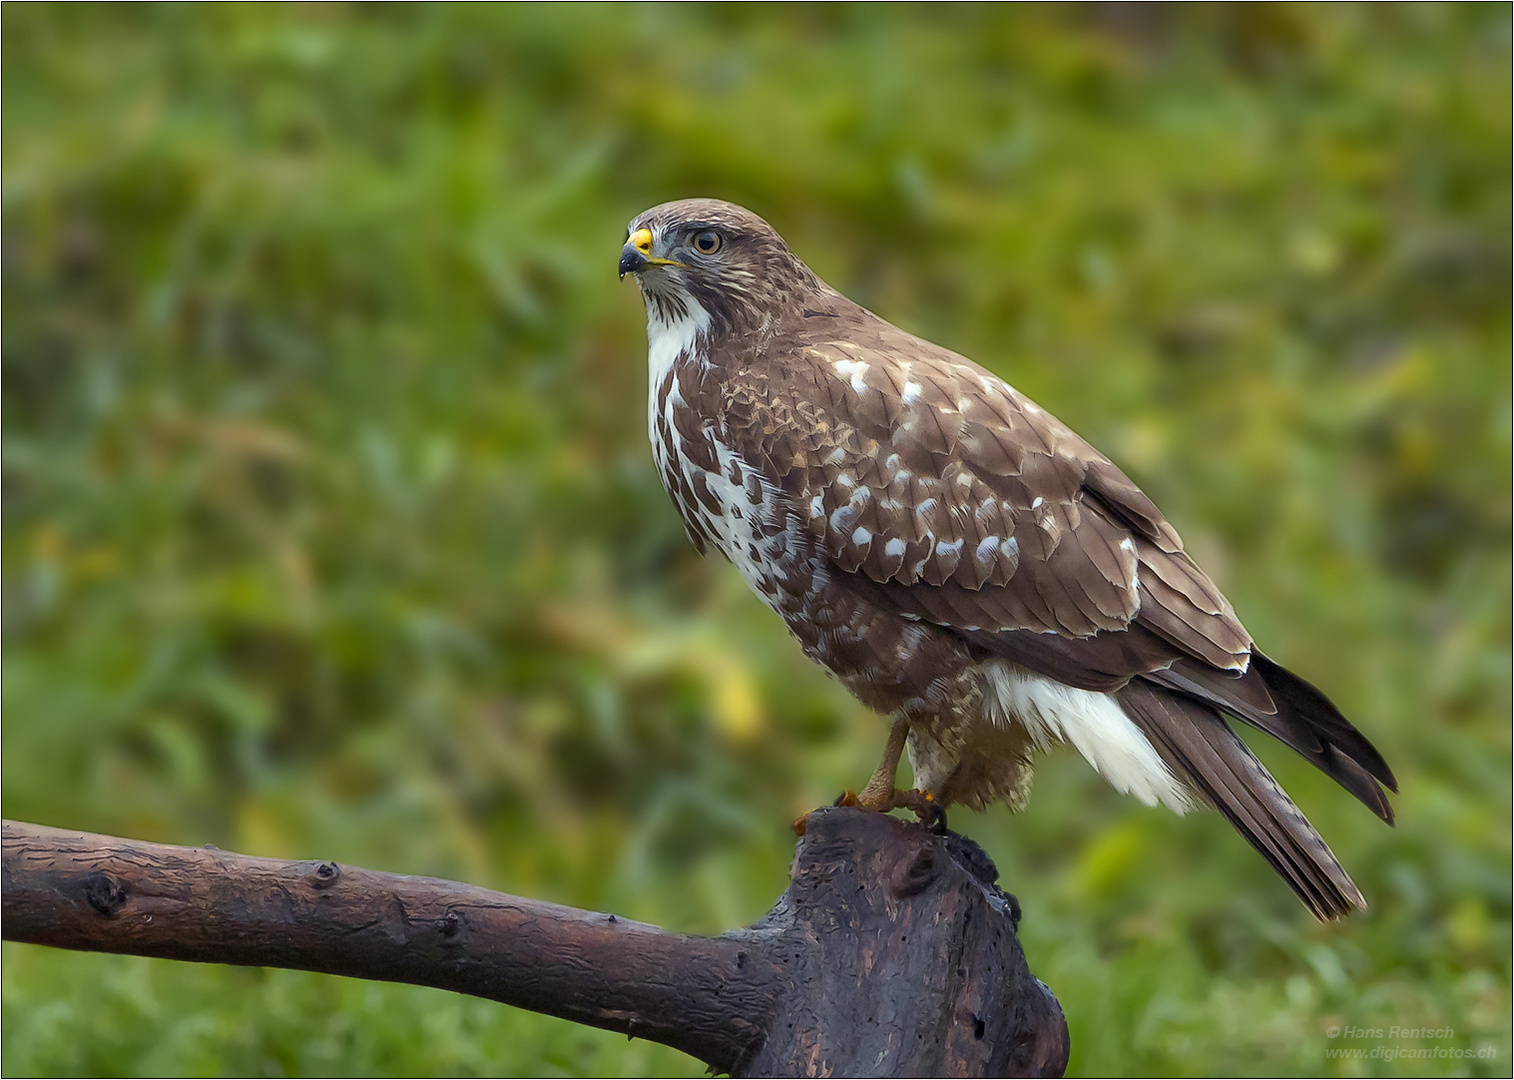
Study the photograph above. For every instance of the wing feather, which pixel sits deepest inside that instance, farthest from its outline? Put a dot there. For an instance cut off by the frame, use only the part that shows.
(920, 468)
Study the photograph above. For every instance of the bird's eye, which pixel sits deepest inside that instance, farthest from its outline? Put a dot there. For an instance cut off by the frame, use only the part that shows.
(707, 242)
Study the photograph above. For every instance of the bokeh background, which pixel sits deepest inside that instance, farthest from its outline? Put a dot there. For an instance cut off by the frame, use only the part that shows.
(331, 530)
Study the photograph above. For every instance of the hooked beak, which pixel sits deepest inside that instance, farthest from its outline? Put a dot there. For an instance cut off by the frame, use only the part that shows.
(637, 255)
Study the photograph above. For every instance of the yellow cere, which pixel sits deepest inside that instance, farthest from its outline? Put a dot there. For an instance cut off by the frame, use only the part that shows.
(641, 239)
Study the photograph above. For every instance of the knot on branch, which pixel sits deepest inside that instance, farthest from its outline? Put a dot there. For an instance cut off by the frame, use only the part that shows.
(324, 875)
(104, 893)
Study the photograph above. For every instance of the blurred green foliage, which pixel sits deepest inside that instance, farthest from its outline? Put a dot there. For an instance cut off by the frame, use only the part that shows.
(330, 528)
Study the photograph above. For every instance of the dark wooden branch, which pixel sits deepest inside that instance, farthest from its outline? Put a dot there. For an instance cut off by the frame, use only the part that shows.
(891, 953)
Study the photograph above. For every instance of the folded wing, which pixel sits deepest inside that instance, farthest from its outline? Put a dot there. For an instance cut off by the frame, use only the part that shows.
(957, 501)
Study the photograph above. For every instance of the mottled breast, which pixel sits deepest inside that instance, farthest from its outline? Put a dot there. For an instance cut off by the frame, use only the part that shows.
(722, 500)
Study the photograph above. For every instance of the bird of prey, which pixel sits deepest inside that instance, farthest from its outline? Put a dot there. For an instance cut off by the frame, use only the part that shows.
(957, 557)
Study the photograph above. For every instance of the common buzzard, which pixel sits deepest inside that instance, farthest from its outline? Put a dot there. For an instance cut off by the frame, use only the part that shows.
(957, 557)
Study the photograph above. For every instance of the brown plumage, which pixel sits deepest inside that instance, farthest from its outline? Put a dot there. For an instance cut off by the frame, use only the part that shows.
(956, 556)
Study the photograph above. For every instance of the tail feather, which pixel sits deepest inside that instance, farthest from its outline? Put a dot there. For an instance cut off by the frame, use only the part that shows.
(1302, 699)
(1274, 700)
(1194, 740)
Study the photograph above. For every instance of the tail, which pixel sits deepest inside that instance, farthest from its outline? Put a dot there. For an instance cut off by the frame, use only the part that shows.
(1197, 744)
(1271, 698)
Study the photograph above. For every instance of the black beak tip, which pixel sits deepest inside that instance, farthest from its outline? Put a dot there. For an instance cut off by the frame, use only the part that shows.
(631, 261)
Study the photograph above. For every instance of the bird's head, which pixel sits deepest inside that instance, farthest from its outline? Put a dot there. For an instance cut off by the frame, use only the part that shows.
(710, 255)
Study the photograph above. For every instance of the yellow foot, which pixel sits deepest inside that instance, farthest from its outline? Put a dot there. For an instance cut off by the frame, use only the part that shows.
(922, 803)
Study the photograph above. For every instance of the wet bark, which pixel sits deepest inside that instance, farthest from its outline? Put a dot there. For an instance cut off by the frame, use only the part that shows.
(892, 953)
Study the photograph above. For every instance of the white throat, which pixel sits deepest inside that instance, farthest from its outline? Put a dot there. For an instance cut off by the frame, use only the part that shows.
(667, 341)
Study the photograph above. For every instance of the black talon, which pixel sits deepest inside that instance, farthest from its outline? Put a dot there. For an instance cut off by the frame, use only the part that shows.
(936, 819)
(927, 810)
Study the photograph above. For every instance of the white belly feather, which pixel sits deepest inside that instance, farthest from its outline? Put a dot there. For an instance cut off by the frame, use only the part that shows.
(1092, 722)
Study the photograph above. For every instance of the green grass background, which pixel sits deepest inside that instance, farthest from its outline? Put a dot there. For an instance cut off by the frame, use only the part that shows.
(330, 527)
